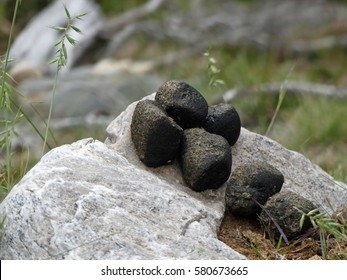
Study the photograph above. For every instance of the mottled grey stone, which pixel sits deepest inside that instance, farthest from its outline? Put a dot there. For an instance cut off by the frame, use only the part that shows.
(156, 136)
(250, 185)
(223, 119)
(286, 209)
(87, 201)
(88, 91)
(205, 159)
(183, 103)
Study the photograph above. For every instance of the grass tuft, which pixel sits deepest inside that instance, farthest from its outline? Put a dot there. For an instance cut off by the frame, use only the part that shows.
(61, 60)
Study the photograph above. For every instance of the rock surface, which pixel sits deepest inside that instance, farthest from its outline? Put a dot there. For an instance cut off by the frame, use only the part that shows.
(86, 201)
(103, 89)
(205, 159)
(91, 200)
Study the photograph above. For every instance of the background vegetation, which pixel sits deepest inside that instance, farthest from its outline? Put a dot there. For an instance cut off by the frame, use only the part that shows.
(310, 124)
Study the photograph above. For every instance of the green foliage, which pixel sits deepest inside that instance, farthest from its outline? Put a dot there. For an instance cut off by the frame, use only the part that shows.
(326, 225)
(61, 59)
(2, 223)
(319, 120)
(25, 13)
(280, 100)
(247, 1)
(7, 124)
(116, 7)
(212, 70)
(12, 113)
(6, 89)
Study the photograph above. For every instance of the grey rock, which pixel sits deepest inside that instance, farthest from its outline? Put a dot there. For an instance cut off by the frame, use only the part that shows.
(87, 201)
(89, 91)
(301, 176)
(223, 119)
(205, 159)
(183, 103)
(156, 136)
(286, 209)
(250, 185)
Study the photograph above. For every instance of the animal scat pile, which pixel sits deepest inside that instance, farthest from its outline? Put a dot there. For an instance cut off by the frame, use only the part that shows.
(179, 123)
(254, 191)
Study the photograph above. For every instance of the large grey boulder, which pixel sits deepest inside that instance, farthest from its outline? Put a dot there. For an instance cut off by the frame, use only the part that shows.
(86, 201)
(106, 88)
(93, 200)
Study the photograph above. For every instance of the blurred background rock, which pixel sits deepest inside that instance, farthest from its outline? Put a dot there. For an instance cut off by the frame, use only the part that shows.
(129, 48)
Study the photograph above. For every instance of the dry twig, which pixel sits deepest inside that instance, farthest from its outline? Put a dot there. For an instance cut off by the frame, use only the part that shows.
(291, 87)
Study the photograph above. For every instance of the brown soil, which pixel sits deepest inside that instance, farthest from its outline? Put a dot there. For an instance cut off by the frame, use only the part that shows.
(247, 237)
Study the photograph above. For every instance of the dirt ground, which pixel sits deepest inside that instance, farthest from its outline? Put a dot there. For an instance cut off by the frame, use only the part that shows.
(247, 237)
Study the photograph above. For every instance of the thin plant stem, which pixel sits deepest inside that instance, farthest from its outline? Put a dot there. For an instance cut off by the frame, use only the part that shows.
(25, 115)
(9, 44)
(50, 111)
(3, 82)
(61, 61)
(279, 103)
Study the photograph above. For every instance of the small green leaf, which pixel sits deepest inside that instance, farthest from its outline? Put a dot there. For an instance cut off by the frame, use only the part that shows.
(76, 29)
(80, 15)
(312, 212)
(2, 221)
(212, 60)
(57, 43)
(211, 82)
(71, 40)
(67, 13)
(58, 28)
(54, 60)
(220, 82)
(319, 216)
(302, 219)
(337, 225)
(214, 69)
(64, 51)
